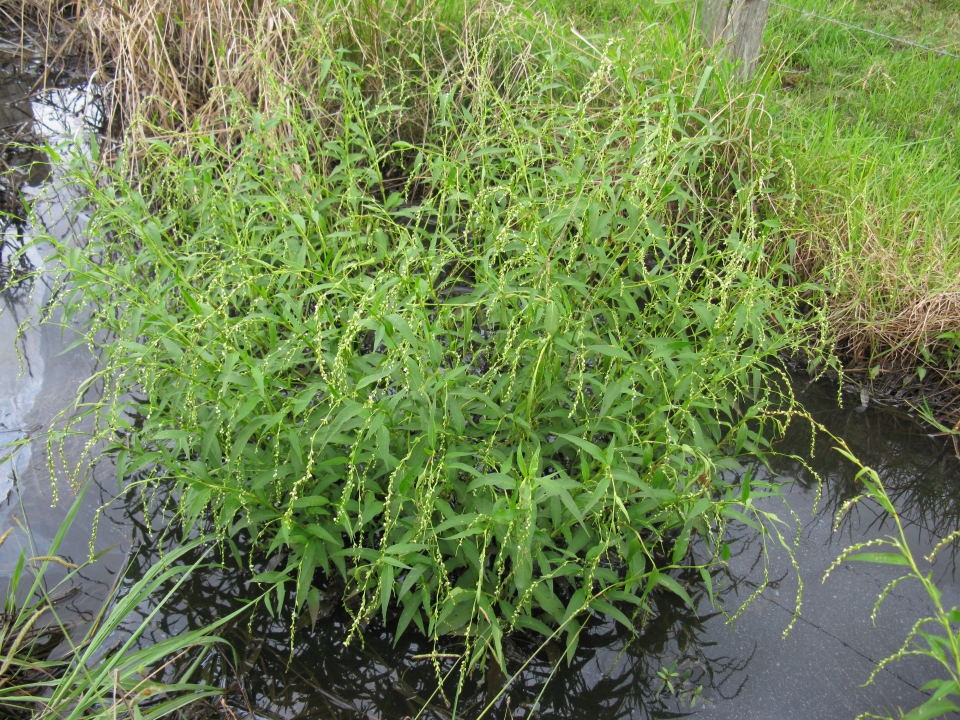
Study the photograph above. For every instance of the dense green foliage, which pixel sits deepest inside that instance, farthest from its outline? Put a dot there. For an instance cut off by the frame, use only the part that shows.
(474, 314)
(870, 126)
(490, 380)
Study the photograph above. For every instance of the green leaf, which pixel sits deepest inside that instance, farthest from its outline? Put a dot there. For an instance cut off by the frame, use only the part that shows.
(943, 687)
(681, 545)
(549, 601)
(272, 576)
(611, 351)
(673, 586)
(551, 319)
(504, 482)
(399, 324)
(555, 489)
(376, 377)
(883, 558)
(523, 569)
(606, 608)
(410, 609)
(386, 589)
(931, 709)
(310, 501)
(708, 582)
(210, 448)
(586, 445)
(313, 604)
(176, 352)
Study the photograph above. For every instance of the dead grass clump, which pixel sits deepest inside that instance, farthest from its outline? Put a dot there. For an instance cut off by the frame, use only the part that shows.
(893, 306)
(182, 64)
(907, 336)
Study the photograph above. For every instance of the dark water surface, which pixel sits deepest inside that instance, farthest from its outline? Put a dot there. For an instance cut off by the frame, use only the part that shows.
(742, 671)
(817, 670)
(38, 377)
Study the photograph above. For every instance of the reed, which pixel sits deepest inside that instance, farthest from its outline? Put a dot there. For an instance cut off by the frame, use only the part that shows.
(54, 667)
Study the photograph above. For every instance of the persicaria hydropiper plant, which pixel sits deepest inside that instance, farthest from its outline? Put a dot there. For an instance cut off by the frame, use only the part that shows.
(476, 328)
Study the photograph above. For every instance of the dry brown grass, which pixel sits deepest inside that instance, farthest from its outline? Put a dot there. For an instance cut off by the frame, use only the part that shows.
(897, 302)
(891, 297)
(893, 308)
(181, 64)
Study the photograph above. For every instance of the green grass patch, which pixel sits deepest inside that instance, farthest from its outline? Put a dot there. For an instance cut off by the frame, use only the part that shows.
(52, 666)
(872, 126)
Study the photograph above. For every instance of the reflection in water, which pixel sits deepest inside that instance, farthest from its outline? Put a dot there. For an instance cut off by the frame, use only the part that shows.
(920, 471)
(614, 671)
(38, 376)
(55, 116)
(818, 670)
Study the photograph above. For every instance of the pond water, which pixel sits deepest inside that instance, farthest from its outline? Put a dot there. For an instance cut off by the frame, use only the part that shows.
(39, 376)
(715, 670)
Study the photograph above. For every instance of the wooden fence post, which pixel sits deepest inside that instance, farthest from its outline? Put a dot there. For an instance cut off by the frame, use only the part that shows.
(739, 26)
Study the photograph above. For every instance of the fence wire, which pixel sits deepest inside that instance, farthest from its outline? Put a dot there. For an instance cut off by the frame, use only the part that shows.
(851, 26)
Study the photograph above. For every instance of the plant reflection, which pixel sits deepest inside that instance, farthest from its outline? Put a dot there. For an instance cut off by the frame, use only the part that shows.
(920, 472)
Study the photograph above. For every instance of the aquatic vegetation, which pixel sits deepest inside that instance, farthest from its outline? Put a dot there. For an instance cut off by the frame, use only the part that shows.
(936, 636)
(472, 313)
(491, 379)
(50, 667)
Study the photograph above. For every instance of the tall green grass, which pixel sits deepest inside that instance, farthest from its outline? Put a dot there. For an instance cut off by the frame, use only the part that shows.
(871, 126)
(476, 328)
(51, 668)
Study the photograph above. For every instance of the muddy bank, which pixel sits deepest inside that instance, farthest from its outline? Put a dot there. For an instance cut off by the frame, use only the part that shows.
(935, 396)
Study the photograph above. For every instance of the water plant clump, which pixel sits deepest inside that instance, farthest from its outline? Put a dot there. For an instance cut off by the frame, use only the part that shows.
(480, 340)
